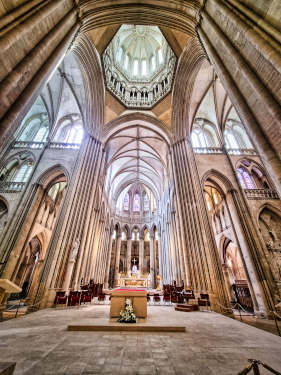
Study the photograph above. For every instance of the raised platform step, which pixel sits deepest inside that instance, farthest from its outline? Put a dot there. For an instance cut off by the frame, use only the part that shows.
(186, 307)
(126, 327)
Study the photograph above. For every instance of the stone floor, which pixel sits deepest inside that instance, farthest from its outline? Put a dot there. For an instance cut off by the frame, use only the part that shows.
(212, 345)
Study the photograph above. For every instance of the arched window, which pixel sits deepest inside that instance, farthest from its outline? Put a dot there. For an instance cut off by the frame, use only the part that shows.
(204, 135)
(153, 63)
(236, 137)
(42, 134)
(24, 172)
(120, 54)
(126, 202)
(230, 139)
(245, 179)
(56, 189)
(145, 203)
(143, 68)
(136, 68)
(251, 176)
(136, 203)
(71, 134)
(160, 56)
(126, 63)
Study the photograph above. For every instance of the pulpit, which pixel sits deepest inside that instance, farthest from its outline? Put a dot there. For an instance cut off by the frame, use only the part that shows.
(138, 298)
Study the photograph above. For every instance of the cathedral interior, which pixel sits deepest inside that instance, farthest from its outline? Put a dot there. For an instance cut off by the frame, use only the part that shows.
(140, 148)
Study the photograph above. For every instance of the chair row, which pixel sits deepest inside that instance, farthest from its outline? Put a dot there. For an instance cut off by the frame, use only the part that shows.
(74, 298)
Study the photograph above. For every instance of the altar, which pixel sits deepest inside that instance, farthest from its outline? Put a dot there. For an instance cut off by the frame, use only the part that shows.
(138, 298)
(134, 279)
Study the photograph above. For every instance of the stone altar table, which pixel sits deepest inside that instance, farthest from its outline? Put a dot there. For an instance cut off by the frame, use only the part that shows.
(138, 298)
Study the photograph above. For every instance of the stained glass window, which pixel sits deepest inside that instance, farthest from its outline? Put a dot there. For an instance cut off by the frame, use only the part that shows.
(146, 203)
(136, 203)
(126, 202)
(245, 179)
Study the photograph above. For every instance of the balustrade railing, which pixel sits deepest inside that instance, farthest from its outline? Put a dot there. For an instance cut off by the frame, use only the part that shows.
(136, 220)
(62, 145)
(241, 151)
(257, 194)
(207, 150)
(11, 186)
(27, 144)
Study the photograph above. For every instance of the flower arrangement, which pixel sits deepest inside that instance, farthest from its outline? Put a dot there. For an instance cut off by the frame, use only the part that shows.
(127, 315)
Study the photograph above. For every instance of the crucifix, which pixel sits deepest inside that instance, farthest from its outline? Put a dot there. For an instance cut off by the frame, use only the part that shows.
(134, 261)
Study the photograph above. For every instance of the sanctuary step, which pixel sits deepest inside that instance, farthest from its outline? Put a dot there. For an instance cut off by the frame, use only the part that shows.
(186, 307)
(129, 327)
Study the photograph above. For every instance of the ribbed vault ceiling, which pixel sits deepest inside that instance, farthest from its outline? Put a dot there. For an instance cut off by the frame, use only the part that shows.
(136, 154)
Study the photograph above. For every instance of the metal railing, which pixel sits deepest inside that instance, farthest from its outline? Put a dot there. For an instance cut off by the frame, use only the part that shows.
(208, 150)
(258, 194)
(254, 365)
(241, 151)
(63, 145)
(11, 186)
(29, 145)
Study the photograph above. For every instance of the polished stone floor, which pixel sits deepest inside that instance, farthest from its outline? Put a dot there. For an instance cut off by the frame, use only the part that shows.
(212, 344)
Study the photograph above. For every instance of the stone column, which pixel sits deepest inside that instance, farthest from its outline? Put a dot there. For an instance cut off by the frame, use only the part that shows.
(205, 271)
(117, 259)
(152, 260)
(68, 274)
(141, 254)
(106, 279)
(160, 259)
(129, 254)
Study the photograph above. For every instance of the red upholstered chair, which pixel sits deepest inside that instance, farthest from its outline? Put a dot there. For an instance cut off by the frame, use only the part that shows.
(174, 298)
(61, 299)
(156, 298)
(167, 298)
(85, 297)
(85, 287)
(74, 298)
(101, 297)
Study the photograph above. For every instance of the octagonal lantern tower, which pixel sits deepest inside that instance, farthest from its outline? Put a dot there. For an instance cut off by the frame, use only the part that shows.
(139, 66)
